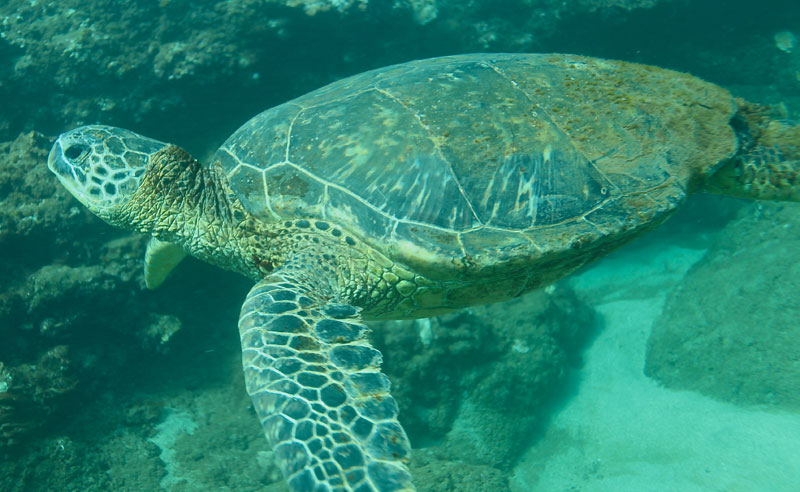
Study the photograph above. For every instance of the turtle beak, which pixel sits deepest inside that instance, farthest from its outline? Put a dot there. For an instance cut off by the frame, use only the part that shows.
(56, 162)
(61, 167)
(69, 161)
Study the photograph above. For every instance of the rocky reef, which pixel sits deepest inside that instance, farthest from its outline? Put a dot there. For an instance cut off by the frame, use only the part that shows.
(77, 327)
(472, 385)
(477, 380)
(173, 67)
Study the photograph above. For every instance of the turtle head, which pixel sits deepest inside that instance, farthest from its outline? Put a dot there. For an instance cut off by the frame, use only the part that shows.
(102, 166)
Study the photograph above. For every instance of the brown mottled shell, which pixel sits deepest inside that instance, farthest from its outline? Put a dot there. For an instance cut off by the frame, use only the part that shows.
(477, 165)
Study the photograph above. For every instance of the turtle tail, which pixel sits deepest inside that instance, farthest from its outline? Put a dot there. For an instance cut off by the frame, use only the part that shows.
(316, 386)
(767, 166)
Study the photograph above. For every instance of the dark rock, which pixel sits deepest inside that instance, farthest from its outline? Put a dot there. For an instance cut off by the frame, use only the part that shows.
(730, 330)
(476, 382)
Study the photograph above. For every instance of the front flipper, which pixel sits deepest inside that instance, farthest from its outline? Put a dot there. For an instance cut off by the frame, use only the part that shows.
(159, 260)
(316, 385)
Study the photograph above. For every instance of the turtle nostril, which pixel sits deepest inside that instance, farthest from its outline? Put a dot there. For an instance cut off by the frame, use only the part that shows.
(73, 151)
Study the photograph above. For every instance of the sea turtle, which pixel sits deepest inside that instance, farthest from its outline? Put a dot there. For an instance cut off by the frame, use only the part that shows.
(410, 191)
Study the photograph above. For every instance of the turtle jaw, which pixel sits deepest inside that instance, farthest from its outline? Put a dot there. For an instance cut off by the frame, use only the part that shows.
(101, 166)
(69, 177)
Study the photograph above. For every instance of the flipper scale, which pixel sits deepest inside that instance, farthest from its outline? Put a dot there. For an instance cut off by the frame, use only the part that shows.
(316, 385)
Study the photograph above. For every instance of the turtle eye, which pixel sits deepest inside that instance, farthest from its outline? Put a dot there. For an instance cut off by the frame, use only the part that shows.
(74, 151)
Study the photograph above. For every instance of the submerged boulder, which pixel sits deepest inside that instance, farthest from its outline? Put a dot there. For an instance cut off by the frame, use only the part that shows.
(730, 330)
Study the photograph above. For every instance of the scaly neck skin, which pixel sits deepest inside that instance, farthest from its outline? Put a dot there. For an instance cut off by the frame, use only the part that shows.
(768, 164)
(182, 202)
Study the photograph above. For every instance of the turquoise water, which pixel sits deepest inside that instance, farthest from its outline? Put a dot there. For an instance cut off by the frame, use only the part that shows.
(670, 365)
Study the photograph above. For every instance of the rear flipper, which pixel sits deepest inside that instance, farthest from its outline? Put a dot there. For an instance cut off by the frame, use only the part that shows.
(317, 388)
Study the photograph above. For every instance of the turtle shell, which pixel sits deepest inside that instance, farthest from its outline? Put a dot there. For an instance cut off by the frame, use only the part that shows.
(478, 164)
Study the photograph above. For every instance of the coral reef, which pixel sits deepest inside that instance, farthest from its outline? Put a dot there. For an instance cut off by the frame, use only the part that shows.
(62, 315)
(12, 422)
(30, 393)
(135, 64)
(312, 7)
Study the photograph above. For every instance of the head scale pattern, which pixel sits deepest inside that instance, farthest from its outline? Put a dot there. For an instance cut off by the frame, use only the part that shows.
(101, 165)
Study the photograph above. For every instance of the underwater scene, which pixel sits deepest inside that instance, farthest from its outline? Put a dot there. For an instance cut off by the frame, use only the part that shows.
(516, 246)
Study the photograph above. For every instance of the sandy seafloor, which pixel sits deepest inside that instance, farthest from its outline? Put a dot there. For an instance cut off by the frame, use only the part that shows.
(621, 431)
